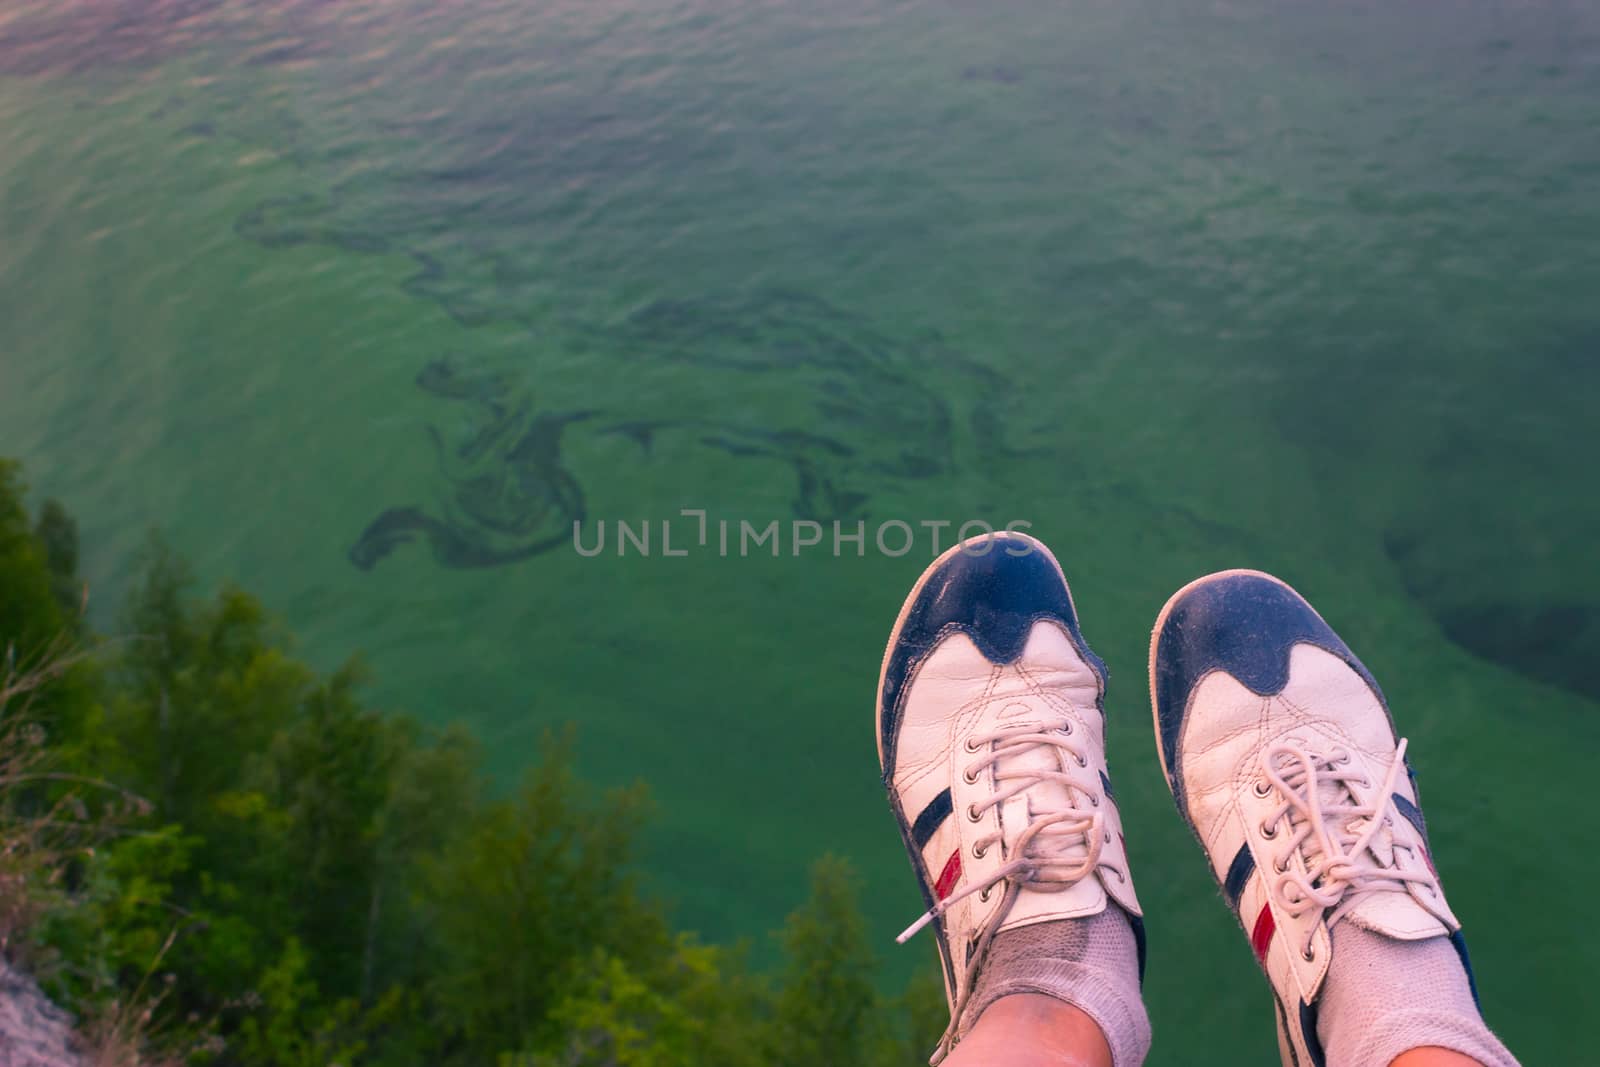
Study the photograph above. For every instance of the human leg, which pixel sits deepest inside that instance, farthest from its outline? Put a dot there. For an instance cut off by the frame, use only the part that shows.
(1282, 757)
(991, 741)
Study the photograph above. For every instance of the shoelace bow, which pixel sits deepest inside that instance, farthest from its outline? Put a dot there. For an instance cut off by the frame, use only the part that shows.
(1340, 867)
(1042, 854)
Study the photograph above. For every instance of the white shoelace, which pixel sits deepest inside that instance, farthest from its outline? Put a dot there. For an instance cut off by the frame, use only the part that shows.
(1333, 829)
(1058, 848)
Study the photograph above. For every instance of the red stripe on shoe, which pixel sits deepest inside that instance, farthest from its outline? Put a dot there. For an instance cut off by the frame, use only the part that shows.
(949, 876)
(1261, 936)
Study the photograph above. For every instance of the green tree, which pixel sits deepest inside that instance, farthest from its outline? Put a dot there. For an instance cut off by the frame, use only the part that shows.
(330, 775)
(916, 1019)
(435, 790)
(201, 692)
(294, 1025)
(526, 894)
(30, 615)
(57, 534)
(698, 1006)
(828, 1009)
(35, 626)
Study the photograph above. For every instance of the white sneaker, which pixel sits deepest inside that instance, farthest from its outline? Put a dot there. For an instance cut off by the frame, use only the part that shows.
(1283, 759)
(991, 736)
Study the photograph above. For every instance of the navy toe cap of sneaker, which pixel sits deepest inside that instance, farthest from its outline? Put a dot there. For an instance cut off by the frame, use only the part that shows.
(994, 598)
(1241, 622)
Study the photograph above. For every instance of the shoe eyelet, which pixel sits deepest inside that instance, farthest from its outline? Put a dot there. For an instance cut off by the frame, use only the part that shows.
(1108, 837)
(969, 777)
(1066, 726)
(1281, 866)
(969, 746)
(1120, 878)
(983, 895)
(1309, 955)
(1263, 788)
(1083, 761)
(1269, 832)
(972, 813)
(979, 851)
(1094, 801)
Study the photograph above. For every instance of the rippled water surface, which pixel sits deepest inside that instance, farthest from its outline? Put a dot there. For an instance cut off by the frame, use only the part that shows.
(366, 303)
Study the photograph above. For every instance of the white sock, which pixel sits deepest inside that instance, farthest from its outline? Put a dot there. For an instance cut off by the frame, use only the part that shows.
(1092, 964)
(1383, 997)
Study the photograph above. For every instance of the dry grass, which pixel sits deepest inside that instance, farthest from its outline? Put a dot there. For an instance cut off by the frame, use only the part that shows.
(48, 819)
(119, 1034)
(38, 832)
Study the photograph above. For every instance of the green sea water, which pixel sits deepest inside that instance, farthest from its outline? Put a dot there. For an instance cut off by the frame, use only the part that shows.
(364, 304)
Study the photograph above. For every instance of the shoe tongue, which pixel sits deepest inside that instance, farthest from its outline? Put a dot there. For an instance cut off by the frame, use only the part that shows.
(1040, 797)
(1391, 910)
(1397, 914)
(1332, 794)
(1041, 903)
(1382, 846)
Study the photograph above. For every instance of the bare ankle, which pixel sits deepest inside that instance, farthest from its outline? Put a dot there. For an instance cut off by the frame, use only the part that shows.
(1433, 1057)
(1054, 1033)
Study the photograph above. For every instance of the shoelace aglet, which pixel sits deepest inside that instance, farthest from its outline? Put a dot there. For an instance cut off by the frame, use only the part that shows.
(911, 931)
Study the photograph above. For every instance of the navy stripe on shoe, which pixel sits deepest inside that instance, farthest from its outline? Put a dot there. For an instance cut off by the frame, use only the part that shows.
(1288, 1035)
(1245, 625)
(1239, 872)
(937, 811)
(941, 935)
(1460, 943)
(1137, 923)
(1412, 814)
(1308, 1030)
(994, 599)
